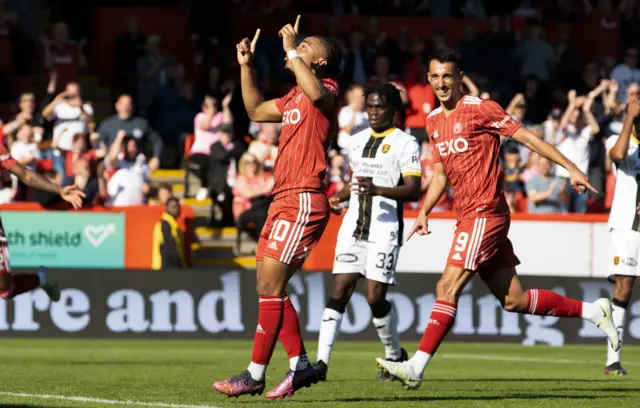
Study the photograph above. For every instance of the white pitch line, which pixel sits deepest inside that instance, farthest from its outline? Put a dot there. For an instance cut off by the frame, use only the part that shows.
(101, 400)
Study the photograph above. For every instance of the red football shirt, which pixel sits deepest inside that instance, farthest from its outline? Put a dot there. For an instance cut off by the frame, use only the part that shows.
(6, 161)
(468, 144)
(301, 163)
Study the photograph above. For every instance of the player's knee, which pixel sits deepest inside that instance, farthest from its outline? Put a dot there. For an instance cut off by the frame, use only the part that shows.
(379, 307)
(339, 305)
(623, 288)
(515, 304)
(341, 291)
(266, 287)
(446, 290)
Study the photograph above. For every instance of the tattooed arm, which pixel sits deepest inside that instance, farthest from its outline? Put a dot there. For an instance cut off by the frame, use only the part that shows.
(70, 194)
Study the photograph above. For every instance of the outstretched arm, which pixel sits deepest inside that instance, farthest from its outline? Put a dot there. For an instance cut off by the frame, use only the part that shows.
(578, 179)
(70, 194)
(307, 80)
(257, 108)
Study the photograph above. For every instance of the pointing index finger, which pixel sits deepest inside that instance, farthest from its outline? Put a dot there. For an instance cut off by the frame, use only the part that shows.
(297, 24)
(590, 187)
(255, 39)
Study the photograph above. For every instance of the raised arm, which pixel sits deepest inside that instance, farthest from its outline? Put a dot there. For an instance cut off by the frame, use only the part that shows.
(112, 156)
(517, 98)
(619, 150)
(588, 114)
(257, 108)
(307, 80)
(564, 121)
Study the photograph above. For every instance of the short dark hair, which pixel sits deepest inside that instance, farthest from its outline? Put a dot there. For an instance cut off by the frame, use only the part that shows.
(446, 54)
(172, 199)
(388, 93)
(333, 57)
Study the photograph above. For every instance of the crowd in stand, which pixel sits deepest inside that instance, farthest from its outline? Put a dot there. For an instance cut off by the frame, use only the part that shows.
(570, 101)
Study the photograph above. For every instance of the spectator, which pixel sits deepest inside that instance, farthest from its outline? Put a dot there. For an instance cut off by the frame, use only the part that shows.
(206, 125)
(578, 126)
(382, 73)
(352, 117)
(81, 166)
(422, 99)
(535, 54)
(29, 113)
(546, 193)
(129, 47)
(526, 11)
(359, 59)
(426, 160)
(471, 57)
(153, 72)
(512, 168)
(567, 53)
(135, 126)
(337, 174)
(224, 153)
(265, 147)
(24, 150)
(517, 107)
(551, 127)
(165, 192)
(626, 72)
(251, 195)
(129, 184)
(63, 56)
(167, 239)
(71, 116)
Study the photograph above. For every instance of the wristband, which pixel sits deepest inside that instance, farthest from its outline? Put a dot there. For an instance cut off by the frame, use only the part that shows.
(291, 54)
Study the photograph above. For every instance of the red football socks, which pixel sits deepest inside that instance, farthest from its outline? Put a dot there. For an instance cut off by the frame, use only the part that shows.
(290, 333)
(22, 282)
(270, 311)
(547, 303)
(442, 317)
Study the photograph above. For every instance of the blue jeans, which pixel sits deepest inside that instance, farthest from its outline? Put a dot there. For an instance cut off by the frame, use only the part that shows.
(577, 202)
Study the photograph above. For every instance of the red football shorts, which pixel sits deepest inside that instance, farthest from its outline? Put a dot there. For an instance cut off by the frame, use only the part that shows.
(481, 245)
(294, 226)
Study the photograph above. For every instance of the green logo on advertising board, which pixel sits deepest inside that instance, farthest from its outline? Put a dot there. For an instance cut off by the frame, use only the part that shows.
(65, 239)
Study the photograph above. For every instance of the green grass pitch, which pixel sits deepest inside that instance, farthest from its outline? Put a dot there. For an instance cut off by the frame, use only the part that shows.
(165, 373)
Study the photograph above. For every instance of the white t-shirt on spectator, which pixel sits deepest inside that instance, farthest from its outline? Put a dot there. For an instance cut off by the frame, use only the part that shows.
(344, 118)
(21, 151)
(124, 188)
(624, 76)
(575, 146)
(69, 121)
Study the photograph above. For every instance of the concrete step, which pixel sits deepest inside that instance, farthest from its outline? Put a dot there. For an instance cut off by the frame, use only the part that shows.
(218, 234)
